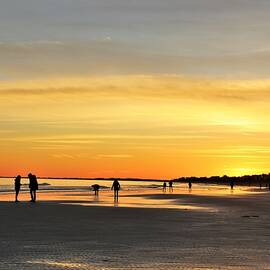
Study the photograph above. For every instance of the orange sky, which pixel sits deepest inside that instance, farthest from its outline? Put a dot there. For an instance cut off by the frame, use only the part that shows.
(134, 126)
(155, 88)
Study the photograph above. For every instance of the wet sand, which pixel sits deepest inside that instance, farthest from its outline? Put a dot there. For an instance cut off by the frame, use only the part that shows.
(145, 230)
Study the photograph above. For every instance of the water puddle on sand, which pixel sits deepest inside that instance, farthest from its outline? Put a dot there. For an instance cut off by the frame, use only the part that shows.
(65, 265)
(139, 202)
(150, 266)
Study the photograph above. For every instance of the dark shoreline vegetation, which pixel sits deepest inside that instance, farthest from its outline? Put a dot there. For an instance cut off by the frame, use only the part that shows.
(246, 180)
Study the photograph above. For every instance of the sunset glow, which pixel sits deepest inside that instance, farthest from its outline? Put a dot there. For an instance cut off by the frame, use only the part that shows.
(134, 126)
(145, 89)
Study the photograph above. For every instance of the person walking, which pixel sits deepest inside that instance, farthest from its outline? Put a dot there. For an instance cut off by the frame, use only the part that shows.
(116, 187)
(164, 186)
(17, 185)
(171, 185)
(232, 184)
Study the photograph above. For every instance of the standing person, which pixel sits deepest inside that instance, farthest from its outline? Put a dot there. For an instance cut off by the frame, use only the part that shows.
(232, 184)
(189, 184)
(30, 177)
(116, 187)
(171, 185)
(17, 185)
(33, 185)
(164, 186)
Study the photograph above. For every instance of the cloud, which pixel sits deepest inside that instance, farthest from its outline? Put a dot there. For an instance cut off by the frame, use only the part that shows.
(52, 59)
(61, 156)
(141, 86)
(109, 156)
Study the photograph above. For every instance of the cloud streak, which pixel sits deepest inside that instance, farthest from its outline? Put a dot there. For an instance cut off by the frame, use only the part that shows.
(144, 86)
(52, 59)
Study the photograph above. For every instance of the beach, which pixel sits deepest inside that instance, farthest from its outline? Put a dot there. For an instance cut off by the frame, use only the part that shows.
(146, 229)
(169, 98)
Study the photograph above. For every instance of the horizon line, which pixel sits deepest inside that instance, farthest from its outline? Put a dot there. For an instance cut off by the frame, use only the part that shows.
(133, 178)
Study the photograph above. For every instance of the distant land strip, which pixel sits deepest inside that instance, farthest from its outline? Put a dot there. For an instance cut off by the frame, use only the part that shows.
(247, 180)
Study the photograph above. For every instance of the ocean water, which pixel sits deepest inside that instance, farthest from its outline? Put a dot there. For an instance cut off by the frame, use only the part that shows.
(7, 184)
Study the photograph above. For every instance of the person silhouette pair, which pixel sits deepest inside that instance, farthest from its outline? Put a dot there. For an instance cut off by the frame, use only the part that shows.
(33, 186)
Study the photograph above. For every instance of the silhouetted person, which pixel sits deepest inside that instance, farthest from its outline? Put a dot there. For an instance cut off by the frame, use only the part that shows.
(232, 184)
(189, 184)
(115, 187)
(260, 178)
(17, 186)
(96, 188)
(33, 185)
(164, 186)
(171, 186)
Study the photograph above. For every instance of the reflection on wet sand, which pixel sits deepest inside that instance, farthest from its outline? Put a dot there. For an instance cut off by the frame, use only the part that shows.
(180, 198)
(64, 265)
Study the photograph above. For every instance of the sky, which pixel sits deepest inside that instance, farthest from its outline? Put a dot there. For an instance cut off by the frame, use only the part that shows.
(146, 88)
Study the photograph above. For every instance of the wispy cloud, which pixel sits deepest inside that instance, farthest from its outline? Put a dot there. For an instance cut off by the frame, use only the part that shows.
(162, 86)
(109, 156)
(106, 56)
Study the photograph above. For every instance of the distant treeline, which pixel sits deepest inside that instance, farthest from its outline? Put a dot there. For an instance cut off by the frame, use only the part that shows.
(246, 180)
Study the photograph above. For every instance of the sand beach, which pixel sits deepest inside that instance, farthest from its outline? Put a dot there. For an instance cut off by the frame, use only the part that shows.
(210, 228)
